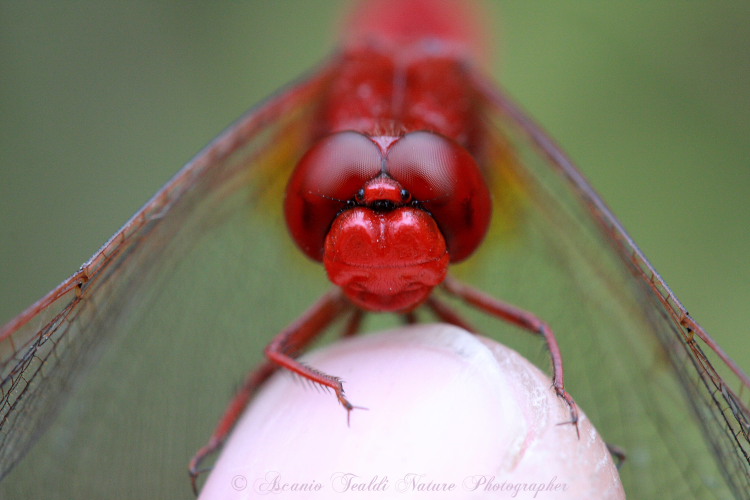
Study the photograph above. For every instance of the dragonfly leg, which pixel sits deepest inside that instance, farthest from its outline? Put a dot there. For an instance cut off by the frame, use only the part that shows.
(290, 342)
(354, 323)
(254, 380)
(525, 320)
(448, 315)
(618, 454)
(410, 318)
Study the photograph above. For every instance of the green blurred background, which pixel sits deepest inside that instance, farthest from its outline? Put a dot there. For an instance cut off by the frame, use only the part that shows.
(101, 102)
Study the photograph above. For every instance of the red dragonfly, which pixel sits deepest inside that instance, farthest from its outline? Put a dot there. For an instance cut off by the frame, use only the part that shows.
(549, 228)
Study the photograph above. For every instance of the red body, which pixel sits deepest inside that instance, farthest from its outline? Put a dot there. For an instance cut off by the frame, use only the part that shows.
(391, 193)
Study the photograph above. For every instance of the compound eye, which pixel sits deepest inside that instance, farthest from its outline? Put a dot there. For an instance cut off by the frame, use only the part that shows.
(328, 176)
(446, 180)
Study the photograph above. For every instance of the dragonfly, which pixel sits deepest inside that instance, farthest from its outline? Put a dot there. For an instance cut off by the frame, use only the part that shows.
(560, 235)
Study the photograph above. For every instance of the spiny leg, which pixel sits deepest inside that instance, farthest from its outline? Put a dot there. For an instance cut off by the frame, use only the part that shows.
(290, 342)
(525, 320)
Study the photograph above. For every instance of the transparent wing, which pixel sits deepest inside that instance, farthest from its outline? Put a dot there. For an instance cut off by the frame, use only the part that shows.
(647, 375)
(176, 306)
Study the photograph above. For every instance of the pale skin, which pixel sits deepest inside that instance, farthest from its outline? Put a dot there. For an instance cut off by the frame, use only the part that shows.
(445, 410)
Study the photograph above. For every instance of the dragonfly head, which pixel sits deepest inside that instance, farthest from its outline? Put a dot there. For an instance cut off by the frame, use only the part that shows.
(386, 260)
(387, 215)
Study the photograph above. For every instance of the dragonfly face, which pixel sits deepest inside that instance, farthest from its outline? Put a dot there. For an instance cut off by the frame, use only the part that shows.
(387, 214)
